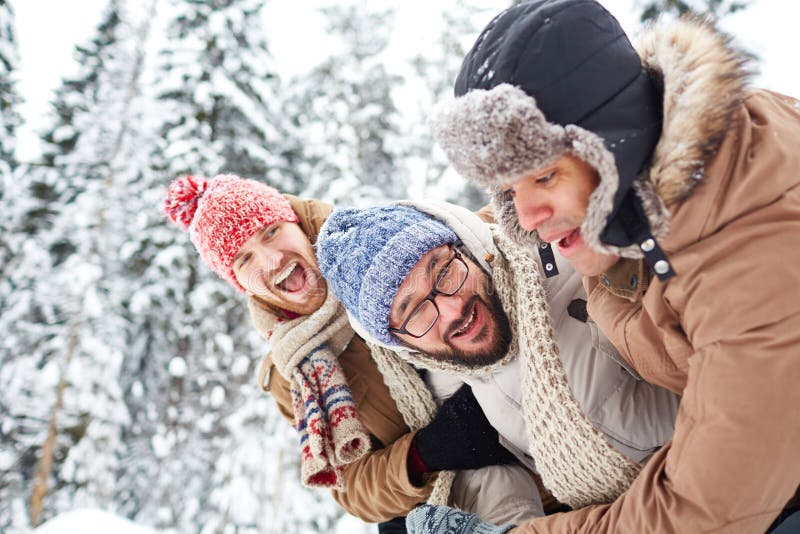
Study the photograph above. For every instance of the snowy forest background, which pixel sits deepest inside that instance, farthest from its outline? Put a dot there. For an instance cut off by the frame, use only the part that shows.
(126, 366)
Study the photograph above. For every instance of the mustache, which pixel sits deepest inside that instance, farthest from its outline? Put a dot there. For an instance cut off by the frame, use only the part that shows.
(465, 314)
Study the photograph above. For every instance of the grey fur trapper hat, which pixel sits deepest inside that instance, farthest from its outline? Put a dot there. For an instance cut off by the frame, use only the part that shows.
(497, 136)
(547, 78)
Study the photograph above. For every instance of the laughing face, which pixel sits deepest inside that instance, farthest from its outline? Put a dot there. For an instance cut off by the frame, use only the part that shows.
(471, 328)
(278, 265)
(553, 201)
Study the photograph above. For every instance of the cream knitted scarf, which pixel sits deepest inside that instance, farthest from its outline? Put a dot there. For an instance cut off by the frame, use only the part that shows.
(415, 402)
(305, 352)
(575, 461)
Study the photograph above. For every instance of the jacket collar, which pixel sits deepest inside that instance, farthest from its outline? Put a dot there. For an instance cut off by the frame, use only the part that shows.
(628, 279)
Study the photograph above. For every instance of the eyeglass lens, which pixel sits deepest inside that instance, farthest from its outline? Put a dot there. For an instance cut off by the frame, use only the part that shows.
(448, 282)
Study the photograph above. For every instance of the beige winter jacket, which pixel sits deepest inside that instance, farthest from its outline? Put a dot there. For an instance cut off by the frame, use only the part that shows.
(724, 332)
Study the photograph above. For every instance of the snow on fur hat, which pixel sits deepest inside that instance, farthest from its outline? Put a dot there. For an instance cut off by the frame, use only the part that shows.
(222, 213)
(589, 83)
(365, 254)
(495, 137)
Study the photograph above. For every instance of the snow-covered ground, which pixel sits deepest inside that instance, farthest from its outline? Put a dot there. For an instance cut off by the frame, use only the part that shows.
(90, 521)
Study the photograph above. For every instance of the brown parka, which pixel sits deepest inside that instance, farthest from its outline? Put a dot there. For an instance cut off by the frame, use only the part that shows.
(724, 332)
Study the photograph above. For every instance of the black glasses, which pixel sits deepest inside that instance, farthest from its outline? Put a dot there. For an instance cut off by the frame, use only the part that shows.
(448, 281)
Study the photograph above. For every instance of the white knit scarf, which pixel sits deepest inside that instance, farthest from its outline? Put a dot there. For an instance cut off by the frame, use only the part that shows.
(305, 352)
(416, 404)
(575, 461)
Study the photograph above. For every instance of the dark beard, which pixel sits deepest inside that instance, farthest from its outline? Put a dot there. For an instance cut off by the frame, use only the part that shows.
(486, 356)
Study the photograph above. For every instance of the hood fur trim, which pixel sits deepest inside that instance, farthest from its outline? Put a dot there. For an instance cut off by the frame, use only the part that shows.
(704, 78)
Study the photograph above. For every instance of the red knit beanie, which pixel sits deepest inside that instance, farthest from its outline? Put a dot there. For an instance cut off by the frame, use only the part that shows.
(222, 213)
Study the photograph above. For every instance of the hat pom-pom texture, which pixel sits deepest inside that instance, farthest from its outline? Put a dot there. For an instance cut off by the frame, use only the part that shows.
(182, 198)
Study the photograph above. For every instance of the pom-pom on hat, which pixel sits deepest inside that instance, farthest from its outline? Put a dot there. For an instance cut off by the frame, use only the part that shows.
(222, 213)
(365, 254)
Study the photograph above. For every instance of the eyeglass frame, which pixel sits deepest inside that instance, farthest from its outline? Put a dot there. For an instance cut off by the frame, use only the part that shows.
(433, 294)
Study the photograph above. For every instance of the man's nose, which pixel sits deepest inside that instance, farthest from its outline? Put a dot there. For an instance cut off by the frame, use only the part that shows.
(267, 264)
(451, 306)
(530, 213)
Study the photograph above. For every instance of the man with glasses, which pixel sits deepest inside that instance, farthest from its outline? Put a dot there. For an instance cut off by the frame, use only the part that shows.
(433, 283)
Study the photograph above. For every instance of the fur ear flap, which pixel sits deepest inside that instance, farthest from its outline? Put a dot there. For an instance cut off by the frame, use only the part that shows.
(496, 136)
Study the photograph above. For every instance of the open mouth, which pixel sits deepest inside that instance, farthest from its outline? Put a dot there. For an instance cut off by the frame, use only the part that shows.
(292, 279)
(569, 239)
(570, 243)
(469, 325)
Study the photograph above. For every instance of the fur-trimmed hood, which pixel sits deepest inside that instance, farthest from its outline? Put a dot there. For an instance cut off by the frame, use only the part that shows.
(703, 78)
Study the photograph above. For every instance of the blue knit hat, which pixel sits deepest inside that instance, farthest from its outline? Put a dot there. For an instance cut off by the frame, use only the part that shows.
(365, 254)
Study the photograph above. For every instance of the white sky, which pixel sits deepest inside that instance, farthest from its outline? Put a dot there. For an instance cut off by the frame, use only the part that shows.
(47, 31)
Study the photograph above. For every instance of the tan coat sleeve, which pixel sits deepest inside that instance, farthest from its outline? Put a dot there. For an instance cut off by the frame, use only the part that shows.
(378, 487)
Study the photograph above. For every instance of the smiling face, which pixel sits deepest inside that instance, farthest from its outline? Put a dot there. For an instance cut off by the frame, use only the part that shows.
(278, 265)
(553, 201)
(472, 328)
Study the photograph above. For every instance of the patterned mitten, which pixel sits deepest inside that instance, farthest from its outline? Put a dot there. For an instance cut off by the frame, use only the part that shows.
(427, 519)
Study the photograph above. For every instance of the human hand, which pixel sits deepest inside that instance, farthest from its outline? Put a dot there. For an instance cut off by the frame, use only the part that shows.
(460, 436)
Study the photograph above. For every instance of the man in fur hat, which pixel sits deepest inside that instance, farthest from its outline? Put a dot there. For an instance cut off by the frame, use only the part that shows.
(432, 285)
(672, 187)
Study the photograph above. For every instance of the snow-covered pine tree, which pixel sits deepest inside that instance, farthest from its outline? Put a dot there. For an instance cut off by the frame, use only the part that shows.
(202, 452)
(437, 67)
(10, 120)
(219, 78)
(15, 457)
(64, 331)
(345, 112)
(9, 98)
